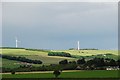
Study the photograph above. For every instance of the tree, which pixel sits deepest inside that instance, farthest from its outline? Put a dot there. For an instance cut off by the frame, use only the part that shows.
(12, 72)
(81, 61)
(56, 73)
(72, 49)
(64, 61)
(99, 62)
(118, 63)
(112, 62)
(63, 54)
(72, 62)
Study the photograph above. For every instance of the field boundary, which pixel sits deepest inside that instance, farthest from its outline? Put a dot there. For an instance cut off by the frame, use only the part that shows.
(42, 72)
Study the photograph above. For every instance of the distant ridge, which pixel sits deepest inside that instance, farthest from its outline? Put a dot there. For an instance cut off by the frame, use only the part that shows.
(43, 50)
(11, 48)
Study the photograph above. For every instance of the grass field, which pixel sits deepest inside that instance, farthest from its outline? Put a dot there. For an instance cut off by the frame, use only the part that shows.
(35, 55)
(92, 53)
(43, 56)
(10, 63)
(89, 52)
(72, 74)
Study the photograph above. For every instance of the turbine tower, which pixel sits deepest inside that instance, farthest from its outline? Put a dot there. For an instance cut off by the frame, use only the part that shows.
(16, 41)
(78, 45)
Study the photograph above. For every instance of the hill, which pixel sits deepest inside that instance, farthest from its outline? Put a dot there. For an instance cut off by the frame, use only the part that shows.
(43, 55)
(92, 53)
(34, 55)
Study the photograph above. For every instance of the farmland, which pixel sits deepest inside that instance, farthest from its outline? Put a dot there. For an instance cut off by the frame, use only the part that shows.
(67, 74)
(10, 63)
(90, 53)
(47, 60)
(43, 56)
(37, 55)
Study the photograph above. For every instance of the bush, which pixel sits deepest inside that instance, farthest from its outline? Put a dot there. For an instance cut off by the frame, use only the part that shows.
(12, 72)
(5, 69)
(89, 49)
(98, 62)
(43, 50)
(72, 62)
(64, 54)
(63, 62)
(69, 67)
(81, 61)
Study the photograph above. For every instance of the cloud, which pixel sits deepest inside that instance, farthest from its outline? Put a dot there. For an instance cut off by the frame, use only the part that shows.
(0, 24)
(56, 23)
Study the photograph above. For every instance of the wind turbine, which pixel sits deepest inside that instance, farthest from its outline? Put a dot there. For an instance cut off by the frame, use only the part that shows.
(16, 41)
(78, 45)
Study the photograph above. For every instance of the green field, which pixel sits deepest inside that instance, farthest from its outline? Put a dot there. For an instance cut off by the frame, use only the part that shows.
(72, 74)
(43, 56)
(91, 52)
(10, 63)
(35, 55)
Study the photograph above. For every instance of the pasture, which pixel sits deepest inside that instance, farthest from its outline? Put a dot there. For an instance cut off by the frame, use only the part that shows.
(43, 56)
(92, 53)
(67, 74)
(35, 55)
(88, 52)
(10, 63)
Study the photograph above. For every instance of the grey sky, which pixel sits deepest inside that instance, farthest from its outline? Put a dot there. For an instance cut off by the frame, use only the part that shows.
(0, 24)
(60, 25)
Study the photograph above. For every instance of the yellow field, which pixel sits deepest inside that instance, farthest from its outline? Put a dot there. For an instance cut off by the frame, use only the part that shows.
(89, 52)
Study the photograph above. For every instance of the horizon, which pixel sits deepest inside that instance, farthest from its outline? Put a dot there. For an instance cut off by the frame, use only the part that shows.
(5, 47)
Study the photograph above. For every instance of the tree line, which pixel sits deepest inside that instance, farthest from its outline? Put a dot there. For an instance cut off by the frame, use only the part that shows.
(63, 54)
(43, 50)
(84, 49)
(11, 48)
(92, 64)
(21, 59)
(98, 62)
(80, 64)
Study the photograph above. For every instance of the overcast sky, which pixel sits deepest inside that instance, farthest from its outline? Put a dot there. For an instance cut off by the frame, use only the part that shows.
(48, 25)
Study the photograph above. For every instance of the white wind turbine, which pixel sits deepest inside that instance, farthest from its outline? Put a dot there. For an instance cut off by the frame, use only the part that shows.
(78, 45)
(16, 42)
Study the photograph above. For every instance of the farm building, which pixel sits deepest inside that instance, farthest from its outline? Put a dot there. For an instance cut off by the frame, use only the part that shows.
(113, 68)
